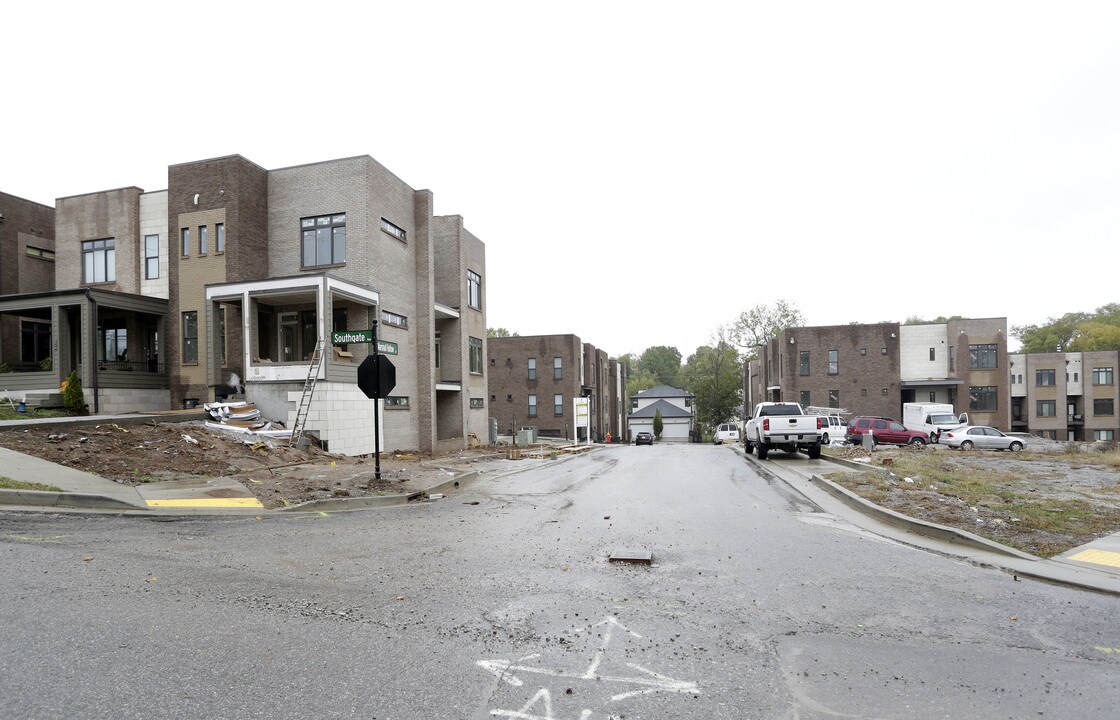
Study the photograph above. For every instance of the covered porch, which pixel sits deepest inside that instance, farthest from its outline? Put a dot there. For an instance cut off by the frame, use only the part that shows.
(111, 339)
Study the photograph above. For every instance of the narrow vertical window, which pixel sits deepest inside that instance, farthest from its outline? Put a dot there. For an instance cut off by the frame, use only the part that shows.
(476, 356)
(804, 362)
(532, 368)
(222, 334)
(558, 404)
(557, 368)
(532, 406)
(185, 242)
(151, 257)
(474, 290)
(190, 337)
(220, 238)
(202, 239)
(834, 363)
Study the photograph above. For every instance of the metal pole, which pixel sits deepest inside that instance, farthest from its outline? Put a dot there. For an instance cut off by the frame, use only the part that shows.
(376, 405)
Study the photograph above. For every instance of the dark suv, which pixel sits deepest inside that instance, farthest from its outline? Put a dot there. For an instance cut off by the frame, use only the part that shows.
(884, 430)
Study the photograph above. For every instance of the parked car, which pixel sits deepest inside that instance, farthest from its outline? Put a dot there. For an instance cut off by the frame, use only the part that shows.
(980, 437)
(727, 432)
(884, 430)
(643, 438)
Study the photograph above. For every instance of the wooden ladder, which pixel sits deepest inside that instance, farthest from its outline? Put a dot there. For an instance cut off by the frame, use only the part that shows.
(308, 391)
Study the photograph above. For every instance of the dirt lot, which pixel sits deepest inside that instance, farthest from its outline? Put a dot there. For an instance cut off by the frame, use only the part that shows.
(1044, 501)
(278, 475)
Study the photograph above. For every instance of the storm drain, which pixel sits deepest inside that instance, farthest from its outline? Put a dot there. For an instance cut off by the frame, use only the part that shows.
(635, 557)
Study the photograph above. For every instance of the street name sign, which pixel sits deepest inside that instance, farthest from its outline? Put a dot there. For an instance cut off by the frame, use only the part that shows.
(345, 337)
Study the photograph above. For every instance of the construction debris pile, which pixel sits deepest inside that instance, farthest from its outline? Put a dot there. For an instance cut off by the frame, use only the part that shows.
(243, 417)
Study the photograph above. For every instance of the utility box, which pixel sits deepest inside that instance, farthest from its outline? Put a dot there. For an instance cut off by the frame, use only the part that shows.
(529, 432)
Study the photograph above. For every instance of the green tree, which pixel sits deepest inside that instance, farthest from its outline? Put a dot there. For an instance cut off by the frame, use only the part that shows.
(1057, 335)
(500, 333)
(761, 324)
(714, 375)
(939, 320)
(640, 380)
(663, 362)
(658, 424)
(73, 398)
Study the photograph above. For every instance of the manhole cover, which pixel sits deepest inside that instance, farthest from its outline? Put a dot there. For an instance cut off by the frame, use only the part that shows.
(638, 557)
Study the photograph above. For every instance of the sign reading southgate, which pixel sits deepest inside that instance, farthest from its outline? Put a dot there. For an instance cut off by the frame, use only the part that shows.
(345, 337)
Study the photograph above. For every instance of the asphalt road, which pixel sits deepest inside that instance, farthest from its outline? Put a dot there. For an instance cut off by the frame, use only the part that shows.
(755, 606)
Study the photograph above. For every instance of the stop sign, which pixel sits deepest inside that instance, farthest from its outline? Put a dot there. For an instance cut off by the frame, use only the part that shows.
(377, 376)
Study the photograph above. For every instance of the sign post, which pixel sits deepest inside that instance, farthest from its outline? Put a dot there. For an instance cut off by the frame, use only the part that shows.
(581, 418)
(377, 376)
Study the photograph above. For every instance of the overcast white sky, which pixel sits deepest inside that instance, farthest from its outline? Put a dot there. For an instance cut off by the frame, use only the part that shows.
(640, 172)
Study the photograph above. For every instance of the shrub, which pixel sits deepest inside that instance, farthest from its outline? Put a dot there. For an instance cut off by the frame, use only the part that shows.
(72, 395)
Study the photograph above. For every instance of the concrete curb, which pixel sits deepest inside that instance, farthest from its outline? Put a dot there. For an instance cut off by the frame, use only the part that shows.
(51, 499)
(378, 501)
(918, 527)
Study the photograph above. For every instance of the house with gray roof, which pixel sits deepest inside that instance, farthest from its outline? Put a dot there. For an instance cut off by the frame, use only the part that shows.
(676, 406)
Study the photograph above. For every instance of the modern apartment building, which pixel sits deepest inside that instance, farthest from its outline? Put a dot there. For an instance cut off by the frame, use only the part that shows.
(1066, 396)
(874, 369)
(27, 264)
(239, 274)
(534, 381)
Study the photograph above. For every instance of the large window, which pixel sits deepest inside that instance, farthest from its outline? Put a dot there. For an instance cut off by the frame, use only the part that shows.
(324, 240)
(190, 337)
(151, 257)
(532, 368)
(833, 362)
(558, 404)
(981, 357)
(1044, 378)
(476, 356)
(99, 261)
(113, 339)
(35, 341)
(804, 362)
(1103, 406)
(982, 398)
(1102, 376)
(1106, 435)
(557, 368)
(1046, 408)
(532, 406)
(474, 290)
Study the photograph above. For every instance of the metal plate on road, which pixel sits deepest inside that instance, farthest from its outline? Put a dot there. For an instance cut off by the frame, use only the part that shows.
(640, 557)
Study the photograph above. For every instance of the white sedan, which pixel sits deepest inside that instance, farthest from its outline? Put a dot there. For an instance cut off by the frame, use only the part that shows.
(980, 437)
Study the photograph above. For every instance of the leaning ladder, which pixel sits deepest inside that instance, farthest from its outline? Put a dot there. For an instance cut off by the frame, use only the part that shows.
(308, 391)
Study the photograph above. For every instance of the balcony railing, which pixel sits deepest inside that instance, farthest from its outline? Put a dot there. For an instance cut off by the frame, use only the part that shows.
(143, 366)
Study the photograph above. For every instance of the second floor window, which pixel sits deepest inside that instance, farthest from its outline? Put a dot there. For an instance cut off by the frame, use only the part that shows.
(99, 261)
(151, 257)
(557, 368)
(833, 362)
(981, 357)
(804, 362)
(185, 242)
(190, 337)
(220, 237)
(532, 368)
(1044, 378)
(1103, 406)
(203, 239)
(532, 406)
(324, 240)
(1047, 408)
(1102, 376)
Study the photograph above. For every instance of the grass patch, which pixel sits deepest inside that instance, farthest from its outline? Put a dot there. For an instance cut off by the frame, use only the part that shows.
(7, 412)
(7, 483)
(1005, 503)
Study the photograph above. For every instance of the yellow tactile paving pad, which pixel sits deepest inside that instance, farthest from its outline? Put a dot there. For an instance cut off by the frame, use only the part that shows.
(207, 502)
(1098, 557)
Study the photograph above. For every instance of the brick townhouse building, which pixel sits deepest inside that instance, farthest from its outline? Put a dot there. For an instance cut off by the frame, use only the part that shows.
(874, 369)
(240, 273)
(535, 379)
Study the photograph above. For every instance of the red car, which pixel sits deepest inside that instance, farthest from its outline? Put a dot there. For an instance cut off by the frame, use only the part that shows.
(885, 430)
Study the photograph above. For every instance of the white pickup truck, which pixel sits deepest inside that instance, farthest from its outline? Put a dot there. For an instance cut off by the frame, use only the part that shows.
(785, 426)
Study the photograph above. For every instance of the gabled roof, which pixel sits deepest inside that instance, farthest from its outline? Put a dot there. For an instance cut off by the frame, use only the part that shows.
(668, 410)
(663, 391)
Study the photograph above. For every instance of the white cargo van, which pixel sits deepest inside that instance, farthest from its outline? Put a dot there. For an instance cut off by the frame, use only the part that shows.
(727, 432)
(932, 418)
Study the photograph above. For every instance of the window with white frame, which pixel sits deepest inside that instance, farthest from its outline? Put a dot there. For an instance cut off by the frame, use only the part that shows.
(558, 404)
(474, 290)
(532, 406)
(557, 368)
(324, 239)
(532, 368)
(99, 261)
